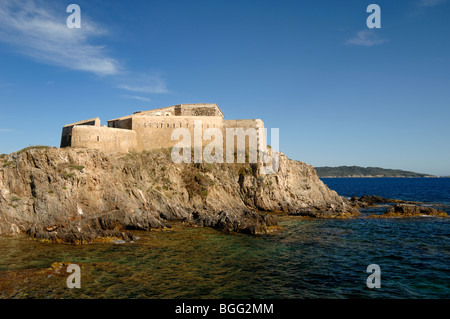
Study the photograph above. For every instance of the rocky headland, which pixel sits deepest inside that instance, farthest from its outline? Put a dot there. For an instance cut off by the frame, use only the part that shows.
(76, 195)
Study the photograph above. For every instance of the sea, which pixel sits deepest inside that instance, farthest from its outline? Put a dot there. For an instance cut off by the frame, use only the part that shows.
(308, 259)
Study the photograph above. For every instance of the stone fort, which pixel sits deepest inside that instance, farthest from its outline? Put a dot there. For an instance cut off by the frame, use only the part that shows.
(147, 130)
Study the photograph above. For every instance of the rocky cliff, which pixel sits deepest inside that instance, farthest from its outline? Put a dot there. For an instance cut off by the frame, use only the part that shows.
(80, 195)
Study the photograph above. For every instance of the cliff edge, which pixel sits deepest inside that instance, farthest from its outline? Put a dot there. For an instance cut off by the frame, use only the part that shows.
(80, 195)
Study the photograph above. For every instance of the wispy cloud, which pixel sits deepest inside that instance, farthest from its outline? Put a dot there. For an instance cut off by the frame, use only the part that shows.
(367, 38)
(145, 84)
(6, 130)
(36, 30)
(136, 97)
(430, 3)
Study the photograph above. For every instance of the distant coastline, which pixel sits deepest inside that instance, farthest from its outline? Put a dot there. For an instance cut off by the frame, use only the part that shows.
(367, 172)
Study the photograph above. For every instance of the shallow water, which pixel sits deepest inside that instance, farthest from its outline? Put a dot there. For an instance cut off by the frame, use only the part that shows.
(308, 259)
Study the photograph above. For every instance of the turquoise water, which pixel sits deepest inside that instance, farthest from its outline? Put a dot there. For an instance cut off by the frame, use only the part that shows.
(308, 259)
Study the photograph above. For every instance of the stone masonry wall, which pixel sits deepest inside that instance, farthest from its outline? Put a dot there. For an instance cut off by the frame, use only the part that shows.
(108, 140)
(244, 124)
(156, 131)
(199, 110)
(66, 136)
(146, 131)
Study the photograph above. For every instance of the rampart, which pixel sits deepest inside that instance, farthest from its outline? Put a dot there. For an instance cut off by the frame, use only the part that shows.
(108, 140)
(156, 132)
(245, 125)
(66, 136)
(146, 130)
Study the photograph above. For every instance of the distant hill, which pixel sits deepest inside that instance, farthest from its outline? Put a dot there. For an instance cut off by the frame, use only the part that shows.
(358, 171)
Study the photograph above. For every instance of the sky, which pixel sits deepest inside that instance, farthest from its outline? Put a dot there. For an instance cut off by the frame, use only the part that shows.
(339, 92)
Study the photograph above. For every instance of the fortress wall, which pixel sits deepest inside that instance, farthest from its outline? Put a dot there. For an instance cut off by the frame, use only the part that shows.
(165, 111)
(156, 131)
(146, 131)
(244, 124)
(122, 124)
(105, 139)
(66, 136)
(199, 110)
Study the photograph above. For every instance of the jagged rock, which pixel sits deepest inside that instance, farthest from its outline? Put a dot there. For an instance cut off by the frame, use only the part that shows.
(322, 213)
(373, 200)
(235, 221)
(81, 195)
(409, 210)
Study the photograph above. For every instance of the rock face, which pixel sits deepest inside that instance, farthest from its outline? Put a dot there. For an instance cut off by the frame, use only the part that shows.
(80, 195)
(409, 210)
(373, 200)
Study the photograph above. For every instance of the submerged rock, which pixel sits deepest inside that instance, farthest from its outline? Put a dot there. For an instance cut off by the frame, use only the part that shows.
(82, 195)
(409, 210)
(320, 213)
(249, 222)
(373, 200)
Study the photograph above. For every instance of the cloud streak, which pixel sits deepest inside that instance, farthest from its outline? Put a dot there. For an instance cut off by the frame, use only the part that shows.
(145, 84)
(136, 97)
(38, 30)
(35, 30)
(367, 38)
(431, 3)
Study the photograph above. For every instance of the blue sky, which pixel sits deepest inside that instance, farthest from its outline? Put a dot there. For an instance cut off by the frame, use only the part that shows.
(340, 93)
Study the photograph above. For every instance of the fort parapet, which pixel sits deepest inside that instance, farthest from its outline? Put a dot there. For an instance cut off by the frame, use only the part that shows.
(147, 130)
